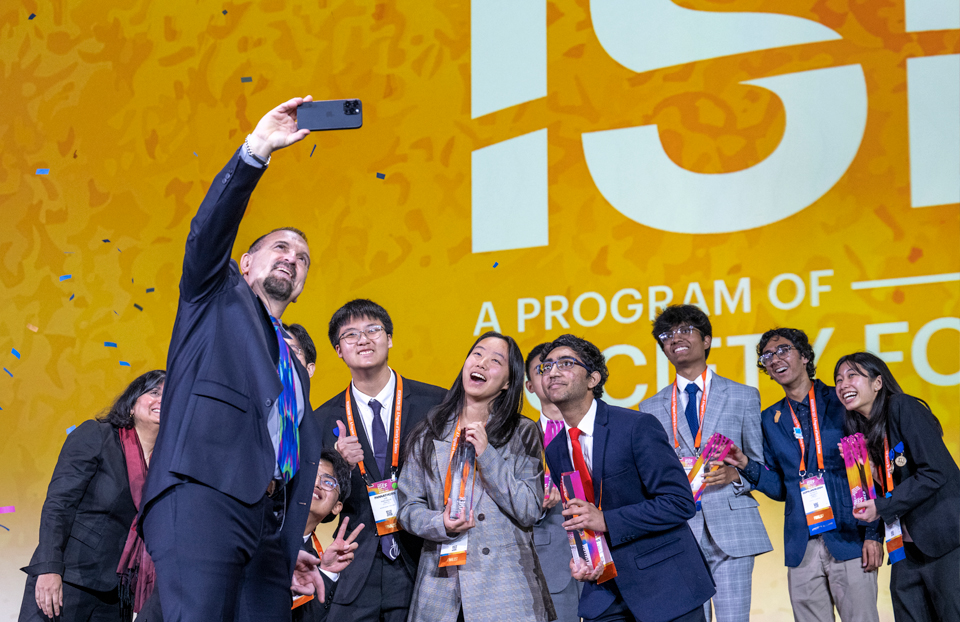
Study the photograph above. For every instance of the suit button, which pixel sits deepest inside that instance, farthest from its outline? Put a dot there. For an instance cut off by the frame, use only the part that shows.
(485, 551)
(481, 517)
(267, 402)
(226, 178)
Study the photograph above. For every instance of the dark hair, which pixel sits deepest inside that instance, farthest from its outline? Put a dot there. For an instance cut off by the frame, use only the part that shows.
(341, 470)
(504, 409)
(799, 340)
(359, 308)
(873, 428)
(677, 315)
(589, 354)
(259, 241)
(309, 349)
(533, 356)
(119, 415)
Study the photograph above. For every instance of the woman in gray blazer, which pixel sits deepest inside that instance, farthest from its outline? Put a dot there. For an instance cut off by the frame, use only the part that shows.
(500, 579)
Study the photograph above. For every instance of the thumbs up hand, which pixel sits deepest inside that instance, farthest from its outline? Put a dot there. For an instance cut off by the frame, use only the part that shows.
(348, 446)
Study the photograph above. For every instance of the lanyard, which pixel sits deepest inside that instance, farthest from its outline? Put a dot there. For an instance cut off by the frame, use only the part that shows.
(703, 409)
(888, 466)
(316, 544)
(816, 432)
(398, 406)
(466, 469)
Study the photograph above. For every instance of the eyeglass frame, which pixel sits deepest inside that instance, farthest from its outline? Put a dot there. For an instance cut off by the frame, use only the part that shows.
(666, 336)
(541, 371)
(376, 329)
(786, 347)
(336, 484)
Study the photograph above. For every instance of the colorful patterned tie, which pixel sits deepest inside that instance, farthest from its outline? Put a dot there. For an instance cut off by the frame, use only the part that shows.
(580, 464)
(288, 457)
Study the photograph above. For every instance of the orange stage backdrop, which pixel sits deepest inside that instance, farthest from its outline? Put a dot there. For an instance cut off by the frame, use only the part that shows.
(549, 166)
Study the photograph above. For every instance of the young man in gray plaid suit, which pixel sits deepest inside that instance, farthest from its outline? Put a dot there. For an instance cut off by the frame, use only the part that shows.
(691, 409)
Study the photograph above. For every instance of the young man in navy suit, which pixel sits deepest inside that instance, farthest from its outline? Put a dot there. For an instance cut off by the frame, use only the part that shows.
(637, 495)
(828, 565)
(378, 585)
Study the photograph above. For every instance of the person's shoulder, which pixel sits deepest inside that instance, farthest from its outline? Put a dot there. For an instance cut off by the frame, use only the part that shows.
(770, 411)
(733, 385)
(422, 389)
(624, 417)
(336, 402)
(656, 399)
(898, 403)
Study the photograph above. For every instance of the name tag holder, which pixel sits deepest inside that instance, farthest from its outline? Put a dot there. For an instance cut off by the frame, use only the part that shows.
(893, 534)
(813, 490)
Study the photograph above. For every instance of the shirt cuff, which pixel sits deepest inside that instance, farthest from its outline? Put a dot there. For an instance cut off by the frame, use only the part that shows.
(333, 576)
(249, 159)
(751, 473)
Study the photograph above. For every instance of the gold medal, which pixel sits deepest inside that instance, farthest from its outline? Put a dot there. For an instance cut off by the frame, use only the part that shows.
(776, 417)
(900, 461)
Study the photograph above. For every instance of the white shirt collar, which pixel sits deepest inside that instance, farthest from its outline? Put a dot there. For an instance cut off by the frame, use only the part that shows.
(586, 424)
(683, 382)
(386, 393)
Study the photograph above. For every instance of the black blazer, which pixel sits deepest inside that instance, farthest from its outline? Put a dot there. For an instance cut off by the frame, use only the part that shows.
(418, 399)
(646, 502)
(926, 491)
(88, 510)
(222, 375)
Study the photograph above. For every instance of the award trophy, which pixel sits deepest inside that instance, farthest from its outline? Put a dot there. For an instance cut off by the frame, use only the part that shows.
(716, 449)
(462, 469)
(586, 545)
(859, 473)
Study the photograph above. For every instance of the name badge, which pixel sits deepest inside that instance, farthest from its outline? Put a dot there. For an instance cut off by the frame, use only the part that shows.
(894, 541)
(454, 553)
(816, 505)
(385, 505)
(696, 480)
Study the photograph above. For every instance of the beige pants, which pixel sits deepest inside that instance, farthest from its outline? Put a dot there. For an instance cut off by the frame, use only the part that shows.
(821, 583)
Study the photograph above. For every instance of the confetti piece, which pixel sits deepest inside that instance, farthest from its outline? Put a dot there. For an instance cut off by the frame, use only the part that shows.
(43, 171)
(71, 296)
(32, 327)
(246, 79)
(149, 290)
(138, 306)
(496, 263)
(65, 277)
(8, 509)
(109, 344)
(312, 150)
(71, 429)
(15, 353)
(106, 240)
(32, 15)
(195, 153)
(381, 176)
(7, 528)
(8, 371)
(124, 364)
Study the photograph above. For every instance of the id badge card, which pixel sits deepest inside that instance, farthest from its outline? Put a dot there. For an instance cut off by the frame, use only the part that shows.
(695, 478)
(454, 553)
(385, 505)
(894, 541)
(816, 505)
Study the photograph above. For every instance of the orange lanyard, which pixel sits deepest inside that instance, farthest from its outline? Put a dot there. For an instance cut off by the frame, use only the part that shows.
(703, 409)
(316, 544)
(466, 468)
(816, 432)
(398, 406)
(888, 466)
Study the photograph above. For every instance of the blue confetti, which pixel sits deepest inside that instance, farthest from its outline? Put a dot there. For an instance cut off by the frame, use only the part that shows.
(224, 11)
(8, 372)
(109, 344)
(71, 296)
(43, 171)
(138, 306)
(107, 241)
(312, 150)
(71, 429)
(15, 353)
(32, 15)
(381, 176)
(7, 528)
(124, 364)
(66, 277)
(195, 153)
(149, 290)
(496, 263)
(246, 79)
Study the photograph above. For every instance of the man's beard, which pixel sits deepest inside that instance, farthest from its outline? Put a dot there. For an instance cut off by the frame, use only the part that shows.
(278, 289)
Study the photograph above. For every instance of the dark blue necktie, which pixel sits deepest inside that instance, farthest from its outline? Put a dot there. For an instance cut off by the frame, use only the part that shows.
(387, 544)
(693, 416)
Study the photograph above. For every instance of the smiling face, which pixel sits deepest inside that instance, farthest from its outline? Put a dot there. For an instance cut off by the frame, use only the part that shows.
(486, 371)
(570, 385)
(146, 410)
(368, 352)
(856, 390)
(686, 350)
(787, 369)
(278, 268)
(325, 502)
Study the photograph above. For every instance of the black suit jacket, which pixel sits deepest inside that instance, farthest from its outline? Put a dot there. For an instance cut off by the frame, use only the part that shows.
(418, 399)
(646, 502)
(222, 375)
(926, 491)
(88, 510)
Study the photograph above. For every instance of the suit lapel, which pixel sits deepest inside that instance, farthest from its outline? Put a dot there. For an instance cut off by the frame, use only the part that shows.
(369, 462)
(786, 423)
(600, 432)
(558, 454)
(683, 428)
(716, 403)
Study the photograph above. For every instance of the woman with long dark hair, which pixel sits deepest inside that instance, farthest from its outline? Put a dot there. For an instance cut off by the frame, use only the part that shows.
(90, 563)
(499, 578)
(917, 482)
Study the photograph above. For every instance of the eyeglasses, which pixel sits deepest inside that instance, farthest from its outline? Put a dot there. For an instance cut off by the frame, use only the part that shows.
(781, 353)
(328, 482)
(564, 364)
(294, 348)
(666, 336)
(372, 332)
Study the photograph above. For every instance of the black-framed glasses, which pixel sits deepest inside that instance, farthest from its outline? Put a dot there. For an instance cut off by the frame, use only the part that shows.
(329, 482)
(564, 364)
(686, 331)
(372, 332)
(781, 353)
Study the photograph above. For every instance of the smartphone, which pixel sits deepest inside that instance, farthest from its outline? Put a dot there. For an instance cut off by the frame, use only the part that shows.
(336, 114)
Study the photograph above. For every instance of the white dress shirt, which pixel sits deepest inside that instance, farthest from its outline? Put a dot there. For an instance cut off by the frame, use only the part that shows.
(586, 437)
(683, 397)
(385, 397)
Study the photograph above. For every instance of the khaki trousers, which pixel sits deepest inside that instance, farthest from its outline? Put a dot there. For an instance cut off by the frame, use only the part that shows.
(821, 583)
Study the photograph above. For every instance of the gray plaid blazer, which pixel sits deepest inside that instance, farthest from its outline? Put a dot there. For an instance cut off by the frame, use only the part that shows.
(733, 409)
(501, 579)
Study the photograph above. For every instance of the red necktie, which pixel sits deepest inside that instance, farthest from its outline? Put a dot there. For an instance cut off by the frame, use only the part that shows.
(580, 464)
